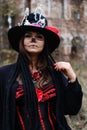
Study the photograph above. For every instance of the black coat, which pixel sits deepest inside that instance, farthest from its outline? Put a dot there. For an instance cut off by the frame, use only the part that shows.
(70, 96)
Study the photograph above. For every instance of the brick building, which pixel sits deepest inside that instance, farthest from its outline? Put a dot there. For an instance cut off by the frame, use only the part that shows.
(69, 16)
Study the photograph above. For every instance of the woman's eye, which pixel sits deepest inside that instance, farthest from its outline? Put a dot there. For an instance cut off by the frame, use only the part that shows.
(28, 35)
(40, 37)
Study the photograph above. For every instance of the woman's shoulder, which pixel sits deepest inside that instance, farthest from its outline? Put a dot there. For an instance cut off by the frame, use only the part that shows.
(6, 68)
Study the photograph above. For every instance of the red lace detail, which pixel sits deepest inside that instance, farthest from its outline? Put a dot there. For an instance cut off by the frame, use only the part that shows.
(19, 92)
(41, 119)
(53, 116)
(36, 75)
(51, 122)
(39, 94)
(46, 93)
(20, 118)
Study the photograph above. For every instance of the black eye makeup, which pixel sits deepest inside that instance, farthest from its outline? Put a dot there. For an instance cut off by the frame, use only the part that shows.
(28, 35)
(40, 37)
(37, 36)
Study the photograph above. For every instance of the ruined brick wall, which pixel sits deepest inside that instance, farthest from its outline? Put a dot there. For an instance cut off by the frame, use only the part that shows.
(69, 18)
(21, 8)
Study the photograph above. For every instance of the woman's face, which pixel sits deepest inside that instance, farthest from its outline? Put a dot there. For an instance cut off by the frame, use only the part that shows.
(34, 42)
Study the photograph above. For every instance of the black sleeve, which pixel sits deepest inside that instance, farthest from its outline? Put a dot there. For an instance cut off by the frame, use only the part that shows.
(1, 101)
(71, 97)
(4, 72)
(0, 112)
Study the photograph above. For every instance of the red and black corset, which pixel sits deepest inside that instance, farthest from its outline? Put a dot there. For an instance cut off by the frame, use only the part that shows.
(46, 107)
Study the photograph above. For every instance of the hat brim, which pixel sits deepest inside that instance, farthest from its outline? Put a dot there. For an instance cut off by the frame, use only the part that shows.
(15, 34)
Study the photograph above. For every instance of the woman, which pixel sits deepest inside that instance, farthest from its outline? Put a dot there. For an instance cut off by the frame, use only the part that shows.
(36, 92)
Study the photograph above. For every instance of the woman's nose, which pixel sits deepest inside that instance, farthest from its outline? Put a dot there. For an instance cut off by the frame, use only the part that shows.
(33, 39)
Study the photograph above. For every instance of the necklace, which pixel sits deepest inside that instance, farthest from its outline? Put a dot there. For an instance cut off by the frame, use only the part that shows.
(36, 75)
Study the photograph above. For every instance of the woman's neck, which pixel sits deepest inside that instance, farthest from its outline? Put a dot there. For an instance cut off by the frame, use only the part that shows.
(32, 66)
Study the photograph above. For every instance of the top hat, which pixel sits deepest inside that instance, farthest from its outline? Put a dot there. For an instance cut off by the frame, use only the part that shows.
(34, 22)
